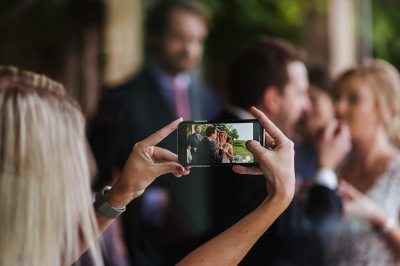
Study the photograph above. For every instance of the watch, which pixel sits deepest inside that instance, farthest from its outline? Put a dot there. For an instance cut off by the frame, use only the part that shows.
(106, 209)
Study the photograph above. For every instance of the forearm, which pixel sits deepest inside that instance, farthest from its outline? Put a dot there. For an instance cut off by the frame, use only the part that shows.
(232, 245)
(115, 199)
(392, 235)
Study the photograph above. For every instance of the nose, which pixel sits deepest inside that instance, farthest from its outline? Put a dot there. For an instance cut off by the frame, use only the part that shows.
(307, 105)
(341, 108)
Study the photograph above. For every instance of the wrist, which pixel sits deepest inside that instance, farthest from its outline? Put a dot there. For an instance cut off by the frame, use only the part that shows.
(326, 164)
(378, 219)
(116, 198)
(280, 197)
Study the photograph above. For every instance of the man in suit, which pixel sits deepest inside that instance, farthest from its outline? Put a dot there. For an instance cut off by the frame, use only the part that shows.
(193, 142)
(206, 152)
(275, 79)
(166, 88)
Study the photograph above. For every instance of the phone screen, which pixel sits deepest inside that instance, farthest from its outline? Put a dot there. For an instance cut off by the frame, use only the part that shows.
(208, 143)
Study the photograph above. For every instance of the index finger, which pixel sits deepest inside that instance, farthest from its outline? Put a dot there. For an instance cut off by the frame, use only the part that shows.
(155, 138)
(269, 127)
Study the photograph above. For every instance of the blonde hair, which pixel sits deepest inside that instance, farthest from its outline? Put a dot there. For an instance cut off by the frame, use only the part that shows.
(222, 133)
(45, 201)
(384, 81)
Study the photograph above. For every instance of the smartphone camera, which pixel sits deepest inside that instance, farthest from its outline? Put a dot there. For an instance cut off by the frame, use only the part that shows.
(218, 143)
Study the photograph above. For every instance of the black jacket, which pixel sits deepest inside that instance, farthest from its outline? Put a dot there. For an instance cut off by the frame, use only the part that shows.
(207, 154)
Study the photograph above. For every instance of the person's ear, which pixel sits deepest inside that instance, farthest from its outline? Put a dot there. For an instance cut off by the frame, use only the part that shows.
(272, 99)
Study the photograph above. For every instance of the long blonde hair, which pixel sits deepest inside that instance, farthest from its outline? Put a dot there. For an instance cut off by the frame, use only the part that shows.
(45, 200)
(384, 80)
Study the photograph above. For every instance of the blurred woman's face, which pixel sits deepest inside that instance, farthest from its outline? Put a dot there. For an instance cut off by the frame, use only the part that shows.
(221, 136)
(322, 109)
(356, 105)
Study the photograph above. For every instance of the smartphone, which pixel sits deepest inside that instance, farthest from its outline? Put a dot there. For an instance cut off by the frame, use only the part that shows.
(218, 143)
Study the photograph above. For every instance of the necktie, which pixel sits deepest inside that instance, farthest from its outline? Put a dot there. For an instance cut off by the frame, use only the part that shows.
(181, 97)
(198, 136)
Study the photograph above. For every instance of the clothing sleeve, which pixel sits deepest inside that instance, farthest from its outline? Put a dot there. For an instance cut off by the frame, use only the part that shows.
(189, 143)
(326, 177)
(213, 155)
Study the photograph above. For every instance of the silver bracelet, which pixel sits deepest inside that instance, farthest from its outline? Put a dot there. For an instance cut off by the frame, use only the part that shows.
(106, 209)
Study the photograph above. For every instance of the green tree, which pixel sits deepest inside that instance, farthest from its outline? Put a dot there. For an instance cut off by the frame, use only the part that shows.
(385, 25)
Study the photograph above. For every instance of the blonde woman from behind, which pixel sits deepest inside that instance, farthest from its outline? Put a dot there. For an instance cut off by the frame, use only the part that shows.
(47, 216)
(44, 183)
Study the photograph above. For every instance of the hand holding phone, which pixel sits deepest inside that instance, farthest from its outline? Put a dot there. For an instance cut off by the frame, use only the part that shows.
(276, 165)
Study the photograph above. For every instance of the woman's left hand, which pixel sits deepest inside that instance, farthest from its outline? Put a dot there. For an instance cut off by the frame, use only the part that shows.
(358, 205)
(145, 163)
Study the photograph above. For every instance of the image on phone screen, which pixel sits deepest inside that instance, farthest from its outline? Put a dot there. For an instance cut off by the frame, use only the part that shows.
(207, 143)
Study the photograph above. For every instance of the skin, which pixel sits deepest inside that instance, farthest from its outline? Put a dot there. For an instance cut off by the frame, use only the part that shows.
(180, 47)
(222, 141)
(322, 110)
(147, 162)
(277, 166)
(229, 153)
(372, 151)
(285, 109)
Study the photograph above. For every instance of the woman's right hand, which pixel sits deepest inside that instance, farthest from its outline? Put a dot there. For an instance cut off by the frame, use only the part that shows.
(276, 165)
(145, 163)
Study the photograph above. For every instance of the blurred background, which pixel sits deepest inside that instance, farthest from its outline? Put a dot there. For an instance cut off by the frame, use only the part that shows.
(92, 45)
(87, 44)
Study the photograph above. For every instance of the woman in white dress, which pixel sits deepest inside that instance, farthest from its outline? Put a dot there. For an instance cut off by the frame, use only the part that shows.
(228, 151)
(368, 99)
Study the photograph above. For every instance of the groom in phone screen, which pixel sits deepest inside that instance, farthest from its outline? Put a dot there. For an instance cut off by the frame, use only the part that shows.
(193, 141)
(206, 152)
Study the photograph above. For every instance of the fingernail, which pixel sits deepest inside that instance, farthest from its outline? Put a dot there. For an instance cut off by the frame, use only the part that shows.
(180, 169)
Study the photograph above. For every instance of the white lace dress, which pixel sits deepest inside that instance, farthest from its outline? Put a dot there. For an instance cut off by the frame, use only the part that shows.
(356, 242)
(225, 159)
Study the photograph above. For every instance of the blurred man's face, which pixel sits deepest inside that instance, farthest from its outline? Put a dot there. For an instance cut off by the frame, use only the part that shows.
(181, 46)
(198, 130)
(295, 100)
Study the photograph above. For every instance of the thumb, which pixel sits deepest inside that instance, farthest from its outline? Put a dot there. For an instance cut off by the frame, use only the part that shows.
(171, 167)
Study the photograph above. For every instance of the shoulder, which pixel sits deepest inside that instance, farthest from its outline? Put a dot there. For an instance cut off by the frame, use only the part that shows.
(142, 78)
(205, 140)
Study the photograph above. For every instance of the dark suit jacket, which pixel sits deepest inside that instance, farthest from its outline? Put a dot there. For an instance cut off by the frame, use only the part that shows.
(206, 152)
(128, 114)
(300, 236)
(193, 141)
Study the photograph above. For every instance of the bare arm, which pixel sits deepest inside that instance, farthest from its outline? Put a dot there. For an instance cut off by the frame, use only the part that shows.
(392, 235)
(232, 245)
(277, 166)
(230, 153)
(357, 205)
(145, 163)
